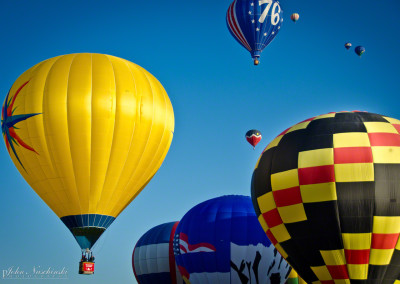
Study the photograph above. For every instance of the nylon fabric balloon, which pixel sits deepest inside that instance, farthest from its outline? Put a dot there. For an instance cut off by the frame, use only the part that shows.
(87, 132)
(153, 260)
(254, 24)
(294, 17)
(294, 278)
(221, 241)
(253, 137)
(327, 194)
(359, 50)
(347, 45)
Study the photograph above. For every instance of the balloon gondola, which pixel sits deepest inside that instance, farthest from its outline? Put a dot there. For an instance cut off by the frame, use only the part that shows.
(87, 132)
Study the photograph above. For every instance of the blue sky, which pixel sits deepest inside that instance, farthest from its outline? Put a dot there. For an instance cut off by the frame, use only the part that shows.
(217, 94)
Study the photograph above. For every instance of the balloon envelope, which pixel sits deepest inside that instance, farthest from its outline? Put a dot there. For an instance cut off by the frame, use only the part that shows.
(294, 278)
(221, 241)
(294, 17)
(254, 24)
(347, 45)
(327, 193)
(359, 50)
(87, 132)
(153, 258)
(253, 137)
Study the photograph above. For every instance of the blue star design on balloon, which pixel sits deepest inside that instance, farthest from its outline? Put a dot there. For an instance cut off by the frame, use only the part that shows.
(8, 122)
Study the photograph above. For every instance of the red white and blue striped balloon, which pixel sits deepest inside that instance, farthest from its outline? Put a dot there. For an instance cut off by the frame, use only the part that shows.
(153, 260)
(254, 24)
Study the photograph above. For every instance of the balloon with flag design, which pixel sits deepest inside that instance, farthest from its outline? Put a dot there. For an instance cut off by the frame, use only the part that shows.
(153, 260)
(327, 194)
(87, 132)
(254, 24)
(221, 241)
(253, 137)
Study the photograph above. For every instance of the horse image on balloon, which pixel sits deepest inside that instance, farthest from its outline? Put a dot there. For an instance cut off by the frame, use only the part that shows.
(221, 241)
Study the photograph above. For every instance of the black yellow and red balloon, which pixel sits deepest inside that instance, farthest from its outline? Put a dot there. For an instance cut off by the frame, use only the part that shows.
(327, 193)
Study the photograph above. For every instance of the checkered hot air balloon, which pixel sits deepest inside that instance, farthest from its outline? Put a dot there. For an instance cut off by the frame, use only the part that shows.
(327, 194)
(254, 24)
(153, 260)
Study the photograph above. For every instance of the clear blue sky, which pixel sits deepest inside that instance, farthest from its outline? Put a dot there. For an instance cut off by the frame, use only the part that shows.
(217, 95)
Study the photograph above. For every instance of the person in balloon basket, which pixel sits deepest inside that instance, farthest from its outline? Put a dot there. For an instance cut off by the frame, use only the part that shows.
(83, 259)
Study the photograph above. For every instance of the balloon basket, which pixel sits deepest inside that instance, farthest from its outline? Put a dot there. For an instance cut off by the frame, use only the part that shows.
(86, 267)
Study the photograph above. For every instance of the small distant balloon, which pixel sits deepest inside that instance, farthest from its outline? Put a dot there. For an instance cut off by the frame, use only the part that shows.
(254, 24)
(253, 137)
(360, 50)
(347, 45)
(295, 17)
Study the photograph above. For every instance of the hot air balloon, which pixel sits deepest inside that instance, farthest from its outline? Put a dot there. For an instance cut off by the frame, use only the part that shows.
(359, 50)
(221, 241)
(327, 194)
(254, 24)
(294, 278)
(153, 260)
(347, 45)
(253, 137)
(294, 17)
(87, 132)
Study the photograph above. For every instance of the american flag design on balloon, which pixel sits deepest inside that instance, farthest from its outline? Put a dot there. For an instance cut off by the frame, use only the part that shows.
(221, 241)
(254, 24)
(153, 257)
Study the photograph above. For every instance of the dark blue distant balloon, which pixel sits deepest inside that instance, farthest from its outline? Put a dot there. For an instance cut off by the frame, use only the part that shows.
(359, 50)
(254, 24)
(222, 241)
(153, 259)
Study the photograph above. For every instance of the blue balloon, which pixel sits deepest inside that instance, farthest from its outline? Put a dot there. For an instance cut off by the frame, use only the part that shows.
(153, 260)
(254, 24)
(359, 50)
(221, 241)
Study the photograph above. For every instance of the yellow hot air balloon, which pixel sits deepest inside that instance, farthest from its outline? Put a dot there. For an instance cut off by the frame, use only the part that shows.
(87, 132)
